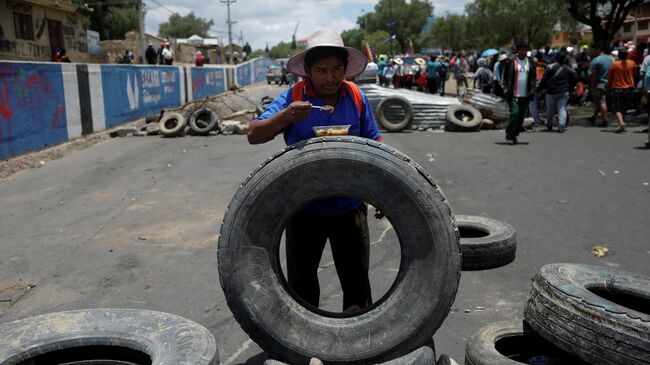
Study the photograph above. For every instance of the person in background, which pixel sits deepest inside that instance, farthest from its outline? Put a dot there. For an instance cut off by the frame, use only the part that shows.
(621, 84)
(127, 57)
(63, 57)
(168, 54)
(557, 81)
(56, 54)
(484, 76)
(460, 69)
(442, 74)
(247, 51)
(161, 60)
(432, 74)
(519, 84)
(380, 69)
(199, 60)
(498, 75)
(600, 65)
(150, 54)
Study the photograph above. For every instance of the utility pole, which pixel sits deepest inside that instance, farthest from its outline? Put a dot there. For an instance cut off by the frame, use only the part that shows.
(390, 15)
(228, 2)
(143, 40)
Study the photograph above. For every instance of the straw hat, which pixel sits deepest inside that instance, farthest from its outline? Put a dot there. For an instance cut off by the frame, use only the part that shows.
(328, 38)
(420, 61)
(398, 61)
(502, 57)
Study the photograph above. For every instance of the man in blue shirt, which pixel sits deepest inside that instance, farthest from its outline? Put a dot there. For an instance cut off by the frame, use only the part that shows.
(432, 74)
(599, 68)
(324, 65)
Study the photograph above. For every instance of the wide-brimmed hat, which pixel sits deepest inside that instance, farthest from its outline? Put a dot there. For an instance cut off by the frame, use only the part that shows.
(420, 61)
(502, 57)
(328, 38)
(398, 61)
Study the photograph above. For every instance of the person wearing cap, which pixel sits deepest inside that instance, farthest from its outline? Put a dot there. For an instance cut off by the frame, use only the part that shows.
(324, 66)
(600, 65)
(519, 84)
(167, 54)
(150, 54)
(484, 76)
(199, 60)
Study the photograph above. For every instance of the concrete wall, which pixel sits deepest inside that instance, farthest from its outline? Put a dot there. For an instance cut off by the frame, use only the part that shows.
(44, 104)
(75, 38)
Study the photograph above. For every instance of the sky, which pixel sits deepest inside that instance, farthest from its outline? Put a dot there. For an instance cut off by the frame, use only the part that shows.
(271, 21)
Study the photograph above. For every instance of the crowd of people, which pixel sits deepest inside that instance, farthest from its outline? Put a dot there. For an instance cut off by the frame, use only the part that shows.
(540, 81)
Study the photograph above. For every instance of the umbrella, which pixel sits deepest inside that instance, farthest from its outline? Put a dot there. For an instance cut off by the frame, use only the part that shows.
(489, 52)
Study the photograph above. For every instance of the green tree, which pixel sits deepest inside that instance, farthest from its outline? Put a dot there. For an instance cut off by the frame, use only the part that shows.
(405, 20)
(284, 50)
(185, 26)
(448, 32)
(497, 23)
(112, 19)
(605, 17)
(378, 42)
(354, 38)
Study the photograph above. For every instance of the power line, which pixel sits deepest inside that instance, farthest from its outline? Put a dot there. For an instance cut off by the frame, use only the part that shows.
(164, 7)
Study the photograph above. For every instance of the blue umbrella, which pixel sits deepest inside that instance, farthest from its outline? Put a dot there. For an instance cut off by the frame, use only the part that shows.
(489, 52)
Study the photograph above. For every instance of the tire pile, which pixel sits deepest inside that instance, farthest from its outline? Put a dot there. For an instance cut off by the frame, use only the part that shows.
(226, 113)
(575, 314)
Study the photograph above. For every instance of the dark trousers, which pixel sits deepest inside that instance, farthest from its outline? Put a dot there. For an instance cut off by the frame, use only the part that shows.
(432, 85)
(350, 243)
(518, 111)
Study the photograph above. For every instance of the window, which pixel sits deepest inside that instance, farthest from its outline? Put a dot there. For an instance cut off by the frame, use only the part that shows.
(627, 28)
(24, 27)
(643, 25)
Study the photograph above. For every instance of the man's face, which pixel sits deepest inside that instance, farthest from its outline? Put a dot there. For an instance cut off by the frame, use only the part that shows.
(522, 52)
(327, 75)
(595, 51)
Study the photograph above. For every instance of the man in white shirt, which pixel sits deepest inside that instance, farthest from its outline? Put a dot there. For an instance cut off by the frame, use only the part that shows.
(519, 83)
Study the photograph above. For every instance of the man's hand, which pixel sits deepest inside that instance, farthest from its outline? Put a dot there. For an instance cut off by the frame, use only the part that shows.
(297, 111)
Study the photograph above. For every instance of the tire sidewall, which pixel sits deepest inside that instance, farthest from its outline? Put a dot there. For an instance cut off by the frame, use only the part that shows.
(455, 124)
(387, 124)
(177, 129)
(212, 125)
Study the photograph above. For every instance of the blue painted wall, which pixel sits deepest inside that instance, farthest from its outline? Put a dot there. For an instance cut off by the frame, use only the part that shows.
(131, 92)
(243, 73)
(207, 81)
(260, 66)
(32, 107)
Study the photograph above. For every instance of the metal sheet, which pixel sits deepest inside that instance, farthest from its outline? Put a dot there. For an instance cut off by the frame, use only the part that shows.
(490, 106)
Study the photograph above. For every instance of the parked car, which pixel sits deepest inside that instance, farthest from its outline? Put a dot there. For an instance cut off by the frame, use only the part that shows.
(274, 73)
(369, 75)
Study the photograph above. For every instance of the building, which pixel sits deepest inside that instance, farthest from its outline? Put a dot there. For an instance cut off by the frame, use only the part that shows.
(31, 29)
(637, 25)
(562, 37)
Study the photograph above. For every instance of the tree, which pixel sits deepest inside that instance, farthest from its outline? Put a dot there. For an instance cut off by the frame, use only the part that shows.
(113, 19)
(494, 23)
(354, 38)
(284, 50)
(185, 26)
(605, 17)
(448, 32)
(407, 20)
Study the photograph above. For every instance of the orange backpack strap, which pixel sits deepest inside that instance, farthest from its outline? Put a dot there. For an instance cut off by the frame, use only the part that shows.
(298, 91)
(355, 92)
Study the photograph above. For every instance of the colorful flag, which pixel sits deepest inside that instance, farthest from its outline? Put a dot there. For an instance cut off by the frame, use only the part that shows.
(369, 54)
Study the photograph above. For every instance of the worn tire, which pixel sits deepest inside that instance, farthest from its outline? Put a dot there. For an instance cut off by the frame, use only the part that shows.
(485, 242)
(384, 112)
(576, 308)
(199, 126)
(121, 334)
(507, 343)
(255, 287)
(172, 124)
(463, 118)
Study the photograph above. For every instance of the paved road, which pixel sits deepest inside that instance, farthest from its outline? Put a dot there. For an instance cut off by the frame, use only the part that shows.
(132, 222)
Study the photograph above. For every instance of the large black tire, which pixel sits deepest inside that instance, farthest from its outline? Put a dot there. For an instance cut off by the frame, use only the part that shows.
(485, 242)
(248, 254)
(600, 314)
(112, 335)
(463, 118)
(394, 113)
(506, 343)
(201, 125)
(172, 124)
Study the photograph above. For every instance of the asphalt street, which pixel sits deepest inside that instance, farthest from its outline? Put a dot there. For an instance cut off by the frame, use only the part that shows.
(132, 222)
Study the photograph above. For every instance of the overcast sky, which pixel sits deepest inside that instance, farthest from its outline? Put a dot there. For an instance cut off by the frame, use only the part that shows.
(271, 21)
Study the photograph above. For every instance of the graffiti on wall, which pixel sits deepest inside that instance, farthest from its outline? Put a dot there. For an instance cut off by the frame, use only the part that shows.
(244, 74)
(32, 109)
(131, 91)
(207, 81)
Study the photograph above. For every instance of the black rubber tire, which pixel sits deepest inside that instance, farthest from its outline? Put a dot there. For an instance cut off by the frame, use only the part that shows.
(443, 360)
(199, 126)
(172, 124)
(165, 338)
(391, 102)
(507, 343)
(496, 249)
(563, 309)
(248, 252)
(456, 123)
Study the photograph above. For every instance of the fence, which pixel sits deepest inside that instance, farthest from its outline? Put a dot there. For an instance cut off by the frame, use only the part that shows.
(44, 104)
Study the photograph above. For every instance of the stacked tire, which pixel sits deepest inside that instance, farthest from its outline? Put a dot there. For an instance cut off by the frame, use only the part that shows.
(575, 314)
